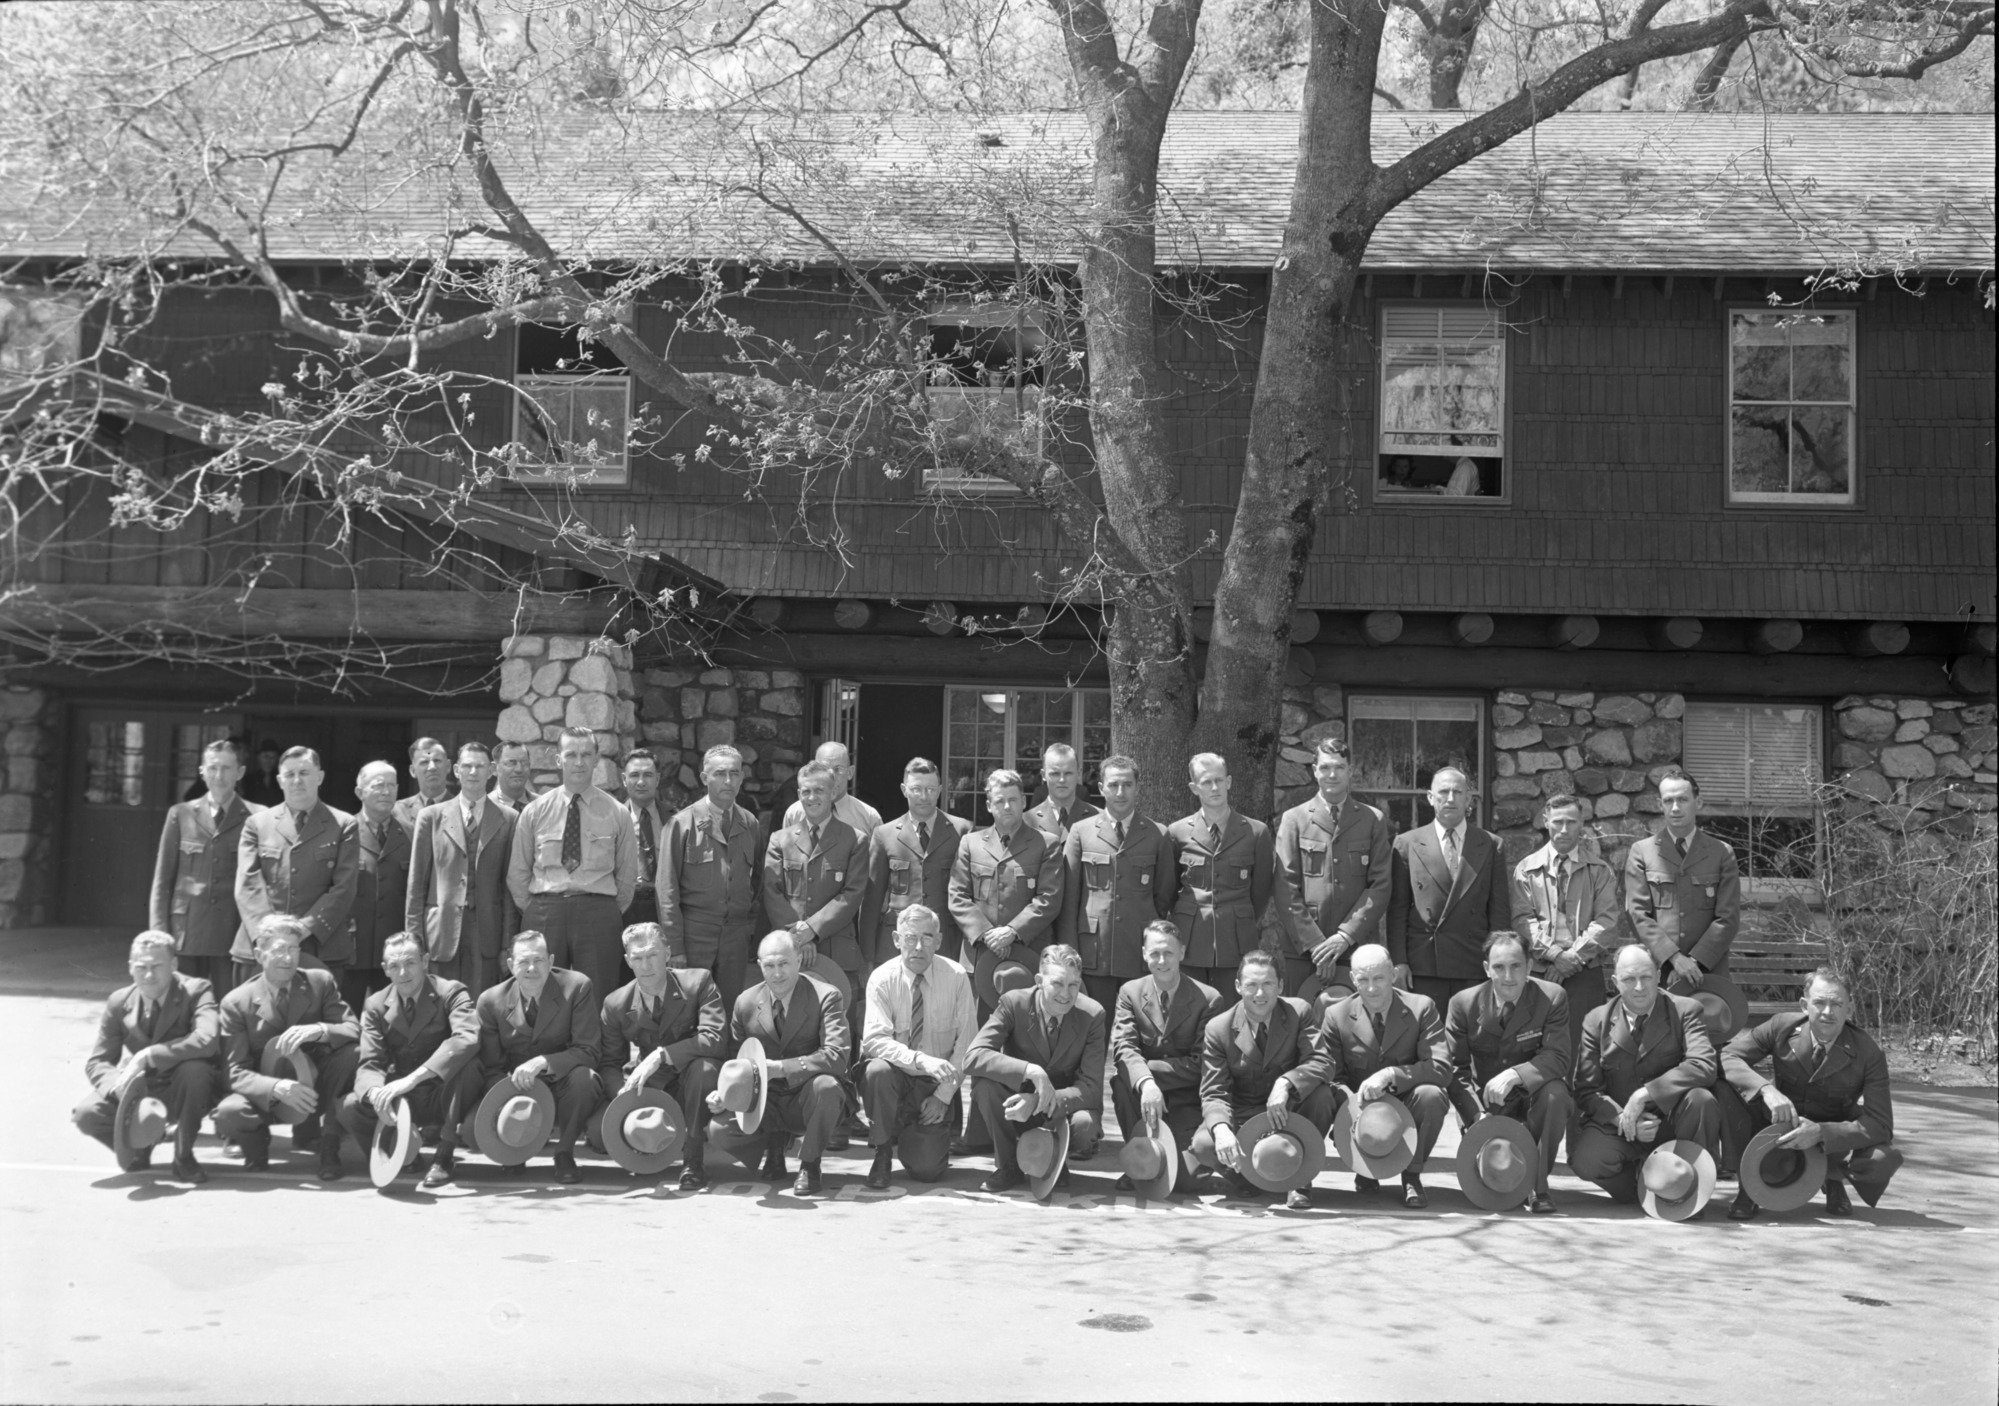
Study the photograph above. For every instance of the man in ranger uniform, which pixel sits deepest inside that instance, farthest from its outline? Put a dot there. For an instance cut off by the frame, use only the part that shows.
(1227, 869)
(815, 872)
(573, 868)
(861, 817)
(1061, 808)
(301, 858)
(1683, 890)
(710, 867)
(909, 863)
(194, 876)
(1565, 910)
(1117, 877)
(1333, 854)
(1006, 887)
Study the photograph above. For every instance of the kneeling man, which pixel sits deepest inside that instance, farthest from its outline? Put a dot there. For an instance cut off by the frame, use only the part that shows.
(544, 1023)
(1510, 1053)
(673, 1016)
(164, 1028)
(1040, 1057)
(1157, 1033)
(921, 1017)
(1385, 1043)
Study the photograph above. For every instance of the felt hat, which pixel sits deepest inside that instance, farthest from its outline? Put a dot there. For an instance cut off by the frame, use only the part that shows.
(297, 1065)
(1317, 995)
(1281, 1161)
(1497, 1160)
(995, 974)
(924, 1149)
(1042, 1153)
(821, 966)
(1379, 1141)
(511, 1125)
(140, 1124)
(644, 1131)
(1151, 1160)
(744, 1084)
(1780, 1178)
(1721, 1001)
(394, 1144)
(1676, 1180)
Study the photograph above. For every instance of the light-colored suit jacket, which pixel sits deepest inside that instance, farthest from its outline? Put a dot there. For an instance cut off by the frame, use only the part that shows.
(443, 883)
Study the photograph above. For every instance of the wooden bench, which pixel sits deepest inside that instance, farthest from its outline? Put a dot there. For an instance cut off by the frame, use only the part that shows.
(1770, 959)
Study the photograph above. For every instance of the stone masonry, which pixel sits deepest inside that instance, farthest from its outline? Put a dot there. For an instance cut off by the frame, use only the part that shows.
(1607, 750)
(550, 682)
(1918, 762)
(684, 710)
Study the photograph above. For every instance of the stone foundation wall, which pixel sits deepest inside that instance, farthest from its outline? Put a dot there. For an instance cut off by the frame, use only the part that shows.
(685, 710)
(1918, 762)
(550, 682)
(29, 736)
(1312, 711)
(1607, 750)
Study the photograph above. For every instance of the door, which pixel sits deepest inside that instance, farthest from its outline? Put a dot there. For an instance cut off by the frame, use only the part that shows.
(126, 766)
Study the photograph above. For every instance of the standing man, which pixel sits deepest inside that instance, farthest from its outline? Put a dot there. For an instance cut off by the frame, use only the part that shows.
(1683, 890)
(543, 1022)
(815, 874)
(672, 1017)
(289, 1008)
(1061, 808)
(1157, 1031)
(1118, 877)
(1447, 894)
(1006, 882)
(458, 903)
(430, 764)
(381, 888)
(1334, 857)
(1227, 867)
(194, 875)
(1565, 911)
(419, 1042)
(1387, 1043)
(1040, 1057)
(1509, 1049)
(917, 1031)
(648, 823)
(162, 1029)
(513, 775)
(710, 868)
(856, 813)
(574, 867)
(1645, 1058)
(909, 863)
(301, 858)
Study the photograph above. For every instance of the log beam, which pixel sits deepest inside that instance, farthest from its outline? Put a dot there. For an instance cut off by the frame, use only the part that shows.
(1471, 628)
(853, 614)
(1678, 632)
(1382, 627)
(1776, 636)
(1304, 626)
(1574, 632)
(1875, 638)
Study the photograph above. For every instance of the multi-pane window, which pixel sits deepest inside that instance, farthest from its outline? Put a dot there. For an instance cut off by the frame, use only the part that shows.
(1398, 744)
(572, 409)
(988, 367)
(40, 333)
(1790, 389)
(1443, 405)
(190, 739)
(985, 728)
(1759, 766)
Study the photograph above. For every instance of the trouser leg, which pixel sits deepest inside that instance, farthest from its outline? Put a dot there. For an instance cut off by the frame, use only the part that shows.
(1585, 992)
(1103, 990)
(989, 1098)
(190, 1090)
(1741, 1120)
(1319, 1107)
(690, 1089)
(95, 1114)
(884, 1088)
(577, 1095)
(1697, 1117)
(1427, 1105)
(1870, 1169)
(1606, 1159)
(1547, 1119)
(241, 1121)
(819, 1105)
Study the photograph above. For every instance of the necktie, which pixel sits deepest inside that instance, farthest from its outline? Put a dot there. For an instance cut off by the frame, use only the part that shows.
(472, 826)
(572, 835)
(647, 1009)
(923, 837)
(1118, 830)
(916, 1014)
(648, 843)
(1214, 837)
(1505, 1012)
(530, 1011)
(298, 823)
(1053, 1026)
(1451, 853)
(1679, 846)
(148, 1012)
(777, 1015)
(815, 839)
(1262, 1036)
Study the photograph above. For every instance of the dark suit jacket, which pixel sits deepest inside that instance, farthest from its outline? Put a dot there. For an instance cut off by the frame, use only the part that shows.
(1439, 927)
(439, 1031)
(1334, 873)
(381, 889)
(1535, 1040)
(1110, 892)
(688, 1022)
(901, 873)
(442, 885)
(1670, 1055)
(821, 887)
(815, 1039)
(1845, 1093)
(1016, 1035)
(194, 877)
(1162, 1044)
(252, 1017)
(310, 875)
(186, 1026)
(567, 1029)
(1692, 905)
(1409, 1039)
(1222, 889)
(1233, 1077)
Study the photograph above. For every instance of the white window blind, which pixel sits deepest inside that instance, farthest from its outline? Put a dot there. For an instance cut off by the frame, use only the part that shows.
(1754, 753)
(1443, 381)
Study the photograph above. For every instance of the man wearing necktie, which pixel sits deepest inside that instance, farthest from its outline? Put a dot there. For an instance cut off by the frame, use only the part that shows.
(1683, 889)
(918, 1027)
(381, 888)
(710, 871)
(1039, 1057)
(1227, 873)
(1157, 1029)
(1334, 862)
(575, 866)
(1508, 1040)
(430, 765)
(419, 1043)
(513, 775)
(458, 902)
(1118, 876)
(1062, 808)
(815, 875)
(1565, 909)
(303, 859)
(1447, 892)
(641, 777)
(544, 1022)
(163, 1029)
(194, 874)
(861, 817)
(1382, 1043)
(665, 1029)
(909, 862)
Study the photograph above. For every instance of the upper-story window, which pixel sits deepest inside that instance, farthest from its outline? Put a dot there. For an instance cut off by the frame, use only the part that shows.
(41, 334)
(1443, 406)
(572, 409)
(988, 370)
(1790, 402)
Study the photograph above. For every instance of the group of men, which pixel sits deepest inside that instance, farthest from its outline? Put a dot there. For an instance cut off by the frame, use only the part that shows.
(1240, 984)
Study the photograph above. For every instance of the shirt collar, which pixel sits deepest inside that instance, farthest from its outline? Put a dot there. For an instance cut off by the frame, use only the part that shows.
(1442, 830)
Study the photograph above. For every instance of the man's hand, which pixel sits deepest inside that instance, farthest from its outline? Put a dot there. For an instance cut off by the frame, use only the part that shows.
(1044, 1089)
(1648, 1128)
(297, 1099)
(1499, 1086)
(933, 1112)
(1326, 955)
(1019, 1108)
(677, 960)
(643, 1070)
(1633, 1110)
(999, 938)
(937, 1067)
(1561, 967)
(383, 1097)
(526, 1073)
(715, 1102)
(1379, 1084)
(1806, 1134)
(806, 941)
(134, 1067)
(1278, 1105)
(1227, 1150)
(1402, 977)
(295, 1036)
(1783, 1113)
(1152, 1104)
(1684, 968)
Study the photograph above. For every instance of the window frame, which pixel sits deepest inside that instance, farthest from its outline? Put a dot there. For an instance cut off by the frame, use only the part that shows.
(1508, 460)
(1720, 805)
(1756, 501)
(1481, 807)
(1031, 772)
(1031, 398)
(528, 388)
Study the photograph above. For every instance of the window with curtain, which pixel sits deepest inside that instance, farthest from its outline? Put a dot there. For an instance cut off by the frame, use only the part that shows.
(1443, 405)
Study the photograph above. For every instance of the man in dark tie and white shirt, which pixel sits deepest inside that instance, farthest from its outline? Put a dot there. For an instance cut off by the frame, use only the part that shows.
(649, 817)
(919, 1022)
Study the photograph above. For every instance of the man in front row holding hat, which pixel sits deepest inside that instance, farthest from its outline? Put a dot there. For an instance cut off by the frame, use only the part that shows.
(1038, 1058)
(801, 1023)
(1645, 1059)
(282, 1011)
(420, 1043)
(1384, 1043)
(1259, 1057)
(673, 1015)
(544, 1022)
(1508, 1040)
(1828, 1088)
(919, 1024)
(1157, 1032)
(166, 1023)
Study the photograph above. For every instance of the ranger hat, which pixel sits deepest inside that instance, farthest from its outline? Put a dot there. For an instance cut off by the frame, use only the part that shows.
(1042, 1153)
(1677, 1180)
(644, 1131)
(744, 1084)
(1284, 1160)
(512, 1124)
(1496, 1163)
(1379, 1141)
(394, 1145)
(1781, 1178)
(140, 1123)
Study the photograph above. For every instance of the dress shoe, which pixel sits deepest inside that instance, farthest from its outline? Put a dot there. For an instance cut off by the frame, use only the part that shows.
(808, 1179)
(1366, 1186)
(773, 1168)
(1003, 1179)
(1701, 1214)
(1298, 1199)
(257, 1161)
(330, 1168)
(878, 1174)
(1744, 1208)
(515, 1171)
(1412, 1194)
(1542, 1205)
(692, 1178)
(838, 1141)
(566, 1170)
(186, 1169)
(1124, 1184)
(1837, 1202)
(443, 1171)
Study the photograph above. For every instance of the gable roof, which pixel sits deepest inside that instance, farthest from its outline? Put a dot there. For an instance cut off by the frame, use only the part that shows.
(1583, 192)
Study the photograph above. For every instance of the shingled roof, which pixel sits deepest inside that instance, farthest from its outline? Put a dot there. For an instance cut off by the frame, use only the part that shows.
(1583, 192)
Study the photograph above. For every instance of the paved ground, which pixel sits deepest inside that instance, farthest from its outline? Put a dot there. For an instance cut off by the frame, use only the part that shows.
(277, 1288)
